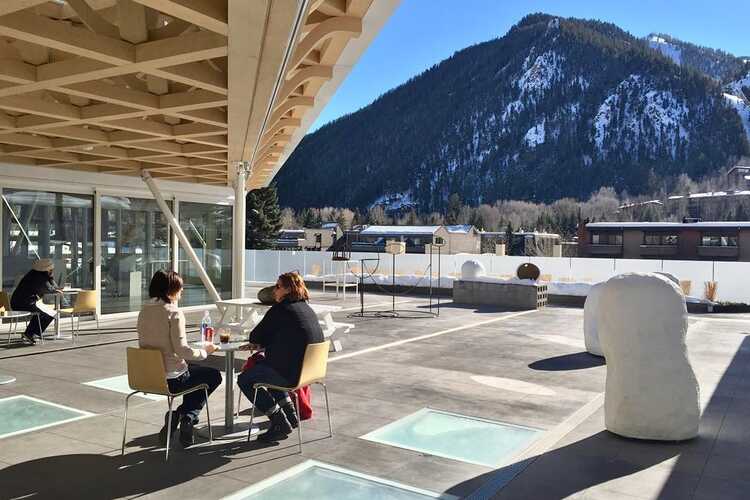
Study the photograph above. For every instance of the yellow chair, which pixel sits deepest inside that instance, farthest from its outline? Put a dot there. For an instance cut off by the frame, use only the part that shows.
(84, 304)
(146, 374)
(314, 366)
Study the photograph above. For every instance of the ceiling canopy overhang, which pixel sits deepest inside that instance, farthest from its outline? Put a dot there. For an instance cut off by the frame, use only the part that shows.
(181, 88)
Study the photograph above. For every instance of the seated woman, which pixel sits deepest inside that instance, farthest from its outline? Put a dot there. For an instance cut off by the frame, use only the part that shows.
(161, 325)
(33, 286)
(284, 332)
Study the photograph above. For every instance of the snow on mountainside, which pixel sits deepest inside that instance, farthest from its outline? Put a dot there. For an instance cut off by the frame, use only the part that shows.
(742, 107)
(635, 106)
(555, 108)
(662, 45)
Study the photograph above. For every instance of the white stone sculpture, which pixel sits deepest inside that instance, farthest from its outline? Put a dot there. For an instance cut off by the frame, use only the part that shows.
(651, 389)
(590, 332)
(472, 269)
(671, 277)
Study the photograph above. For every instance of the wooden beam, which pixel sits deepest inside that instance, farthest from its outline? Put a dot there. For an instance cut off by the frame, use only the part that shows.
(66, 37)
(92, 19)
(208, 14)
(10, 6)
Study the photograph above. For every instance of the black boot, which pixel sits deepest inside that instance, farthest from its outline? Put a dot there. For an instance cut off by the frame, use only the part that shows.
(186, 431)
(163, 431)
(291, 415)
(279, 429)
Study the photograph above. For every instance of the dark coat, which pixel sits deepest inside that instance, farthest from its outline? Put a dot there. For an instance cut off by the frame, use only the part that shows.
(285, 331)
(32, 287)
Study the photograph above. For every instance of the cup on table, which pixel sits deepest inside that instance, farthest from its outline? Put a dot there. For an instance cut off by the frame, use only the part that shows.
(209, 335)
(224, 336)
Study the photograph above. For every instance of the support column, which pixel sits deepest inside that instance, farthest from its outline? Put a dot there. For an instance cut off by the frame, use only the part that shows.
(175, 225)
(98, 251)
(238, 236)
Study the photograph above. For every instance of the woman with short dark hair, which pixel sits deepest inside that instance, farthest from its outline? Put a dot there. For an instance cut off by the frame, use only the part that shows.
(161, 325)
(284, 332)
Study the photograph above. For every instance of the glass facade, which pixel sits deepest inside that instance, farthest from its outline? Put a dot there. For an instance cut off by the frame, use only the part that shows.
(208, 227)
(135, 241)
(58, 226)
(135, 244)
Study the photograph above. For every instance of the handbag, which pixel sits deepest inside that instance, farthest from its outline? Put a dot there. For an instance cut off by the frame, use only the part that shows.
(304, 394)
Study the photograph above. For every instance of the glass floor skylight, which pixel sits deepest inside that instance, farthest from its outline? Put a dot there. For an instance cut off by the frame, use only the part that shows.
(19, 414)
(120, 384)
(450, 435)
(314, 480)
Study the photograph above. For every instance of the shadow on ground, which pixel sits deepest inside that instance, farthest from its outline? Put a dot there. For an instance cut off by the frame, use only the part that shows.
(134, 474)
(576, 361)
(604, 457)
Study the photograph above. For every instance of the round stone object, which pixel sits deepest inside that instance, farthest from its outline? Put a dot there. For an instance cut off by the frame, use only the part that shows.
(472, 269)
(527, 271)
(670, 277)
(651, 389)
(590, 330)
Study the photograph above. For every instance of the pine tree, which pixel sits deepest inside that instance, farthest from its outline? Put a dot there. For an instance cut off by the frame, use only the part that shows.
(453, 214)
(263, 217)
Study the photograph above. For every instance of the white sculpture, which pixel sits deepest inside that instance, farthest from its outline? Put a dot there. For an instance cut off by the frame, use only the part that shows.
(590, 332)
(671, 277)
(651, 389)
(472, 269)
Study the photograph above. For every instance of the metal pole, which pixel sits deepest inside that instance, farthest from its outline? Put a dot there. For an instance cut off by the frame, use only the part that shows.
(175, 225)
(238, 238)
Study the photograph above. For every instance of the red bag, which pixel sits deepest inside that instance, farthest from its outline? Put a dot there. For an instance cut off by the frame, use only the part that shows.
(304, 394)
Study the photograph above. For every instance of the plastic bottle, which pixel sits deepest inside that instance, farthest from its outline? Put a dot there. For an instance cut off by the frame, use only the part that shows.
(205, 323)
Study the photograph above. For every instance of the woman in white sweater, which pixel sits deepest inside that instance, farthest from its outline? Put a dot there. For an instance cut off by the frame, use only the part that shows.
(161, 325)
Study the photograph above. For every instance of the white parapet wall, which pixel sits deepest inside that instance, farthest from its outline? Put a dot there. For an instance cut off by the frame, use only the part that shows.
(564, 275)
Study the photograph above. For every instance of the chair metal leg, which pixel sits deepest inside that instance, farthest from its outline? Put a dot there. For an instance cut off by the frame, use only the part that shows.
(328, 410)
(252, 414)
(125, 422)
(299, 421)
(208, 417)
(73, 328)
(239, 401)
(169, 427)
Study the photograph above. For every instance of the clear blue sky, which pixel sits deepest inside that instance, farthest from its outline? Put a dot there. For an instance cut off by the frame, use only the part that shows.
(424, 32)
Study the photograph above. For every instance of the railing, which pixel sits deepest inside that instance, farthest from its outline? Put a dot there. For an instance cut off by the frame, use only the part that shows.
(266, 265)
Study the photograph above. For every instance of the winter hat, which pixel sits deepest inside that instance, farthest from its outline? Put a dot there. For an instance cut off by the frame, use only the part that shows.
(43, 265)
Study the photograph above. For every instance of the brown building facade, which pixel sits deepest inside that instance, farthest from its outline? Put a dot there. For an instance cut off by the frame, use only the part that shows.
(728, 241)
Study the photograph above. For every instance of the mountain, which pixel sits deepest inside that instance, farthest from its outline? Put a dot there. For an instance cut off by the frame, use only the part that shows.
(715, 63)
(555, 108)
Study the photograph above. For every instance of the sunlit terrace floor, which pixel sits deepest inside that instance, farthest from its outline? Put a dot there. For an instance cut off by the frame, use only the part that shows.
(527, 369)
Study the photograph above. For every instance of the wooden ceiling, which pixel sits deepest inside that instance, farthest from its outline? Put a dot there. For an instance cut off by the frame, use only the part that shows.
(182, 88)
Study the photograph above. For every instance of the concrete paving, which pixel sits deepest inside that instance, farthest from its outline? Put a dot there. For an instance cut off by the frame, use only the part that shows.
(525, 368)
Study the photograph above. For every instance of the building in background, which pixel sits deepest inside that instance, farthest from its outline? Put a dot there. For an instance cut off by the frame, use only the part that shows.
(666, 240)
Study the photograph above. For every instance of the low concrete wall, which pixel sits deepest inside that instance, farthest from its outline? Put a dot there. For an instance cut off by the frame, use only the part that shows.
(506, 295)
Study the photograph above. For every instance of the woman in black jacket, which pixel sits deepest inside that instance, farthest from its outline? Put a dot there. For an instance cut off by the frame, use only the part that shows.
(33, 286)
(284, 332)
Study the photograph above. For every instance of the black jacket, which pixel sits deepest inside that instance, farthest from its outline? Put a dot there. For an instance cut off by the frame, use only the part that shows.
(285, 331)
(32, 287)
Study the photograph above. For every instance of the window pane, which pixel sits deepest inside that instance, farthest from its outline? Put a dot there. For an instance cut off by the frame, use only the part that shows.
(59, 226)
(209, 230)
(135, 244)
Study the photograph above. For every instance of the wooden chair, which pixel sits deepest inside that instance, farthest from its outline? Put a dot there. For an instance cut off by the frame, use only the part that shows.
(146, 374)
(84, 304)
(314, 366)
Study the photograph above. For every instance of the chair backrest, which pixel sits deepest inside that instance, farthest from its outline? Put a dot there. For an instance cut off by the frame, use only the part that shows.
(315, 363)
(146, 371)
(4, 300)
(85, 301)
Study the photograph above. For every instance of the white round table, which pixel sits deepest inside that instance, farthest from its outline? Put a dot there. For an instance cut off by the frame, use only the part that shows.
(230, 430)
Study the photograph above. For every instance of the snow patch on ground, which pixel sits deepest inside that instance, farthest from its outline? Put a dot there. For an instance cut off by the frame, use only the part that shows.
(742, 108)
(667, 49)
(535, 135)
